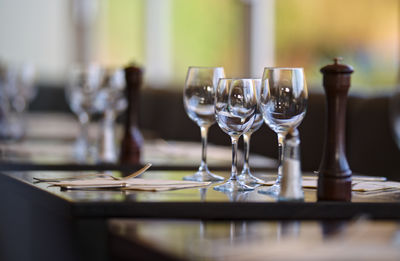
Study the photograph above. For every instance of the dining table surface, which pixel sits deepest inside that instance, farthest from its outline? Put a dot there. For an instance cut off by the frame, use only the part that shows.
(49, 141)
(191, 224)
(203, 202)
(182, 224)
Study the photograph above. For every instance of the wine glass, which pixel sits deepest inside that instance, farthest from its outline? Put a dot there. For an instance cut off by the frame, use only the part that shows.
(246, 176)
(198, 99)
(110, 101)
(235, 110)
(17, 90)
(84, 84)
(283, 103)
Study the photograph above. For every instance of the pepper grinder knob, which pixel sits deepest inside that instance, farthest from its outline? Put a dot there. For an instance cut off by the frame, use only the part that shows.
(334, 178)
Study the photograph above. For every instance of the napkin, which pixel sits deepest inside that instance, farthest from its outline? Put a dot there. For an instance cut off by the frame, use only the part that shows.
(359, 184)
(130, 184)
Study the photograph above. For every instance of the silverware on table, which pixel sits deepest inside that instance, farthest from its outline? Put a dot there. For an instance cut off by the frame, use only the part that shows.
(133, 175)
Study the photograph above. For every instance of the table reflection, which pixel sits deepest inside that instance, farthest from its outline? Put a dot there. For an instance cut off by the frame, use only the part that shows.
(263, 240)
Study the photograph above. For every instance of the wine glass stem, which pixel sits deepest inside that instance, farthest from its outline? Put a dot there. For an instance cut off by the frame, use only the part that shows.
(204, 134)
(234, 140)
(84, 132)
(108, 152)
(246, 139)
(281, 137)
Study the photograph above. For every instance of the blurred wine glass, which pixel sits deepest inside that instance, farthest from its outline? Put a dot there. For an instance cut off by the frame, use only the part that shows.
(17, 90)
(198, 99)
(235, 108)
(81, 92)
(394, 111)
(110, 101)
(283, 103)
(246, 176)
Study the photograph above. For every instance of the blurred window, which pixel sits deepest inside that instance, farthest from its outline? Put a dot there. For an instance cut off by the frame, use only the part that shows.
(308, 33)
(123, 32)
(364, 32)
(167, 36)
(201, 33)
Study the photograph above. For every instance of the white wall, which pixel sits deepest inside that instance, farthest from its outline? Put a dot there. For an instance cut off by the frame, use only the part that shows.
(38, 32)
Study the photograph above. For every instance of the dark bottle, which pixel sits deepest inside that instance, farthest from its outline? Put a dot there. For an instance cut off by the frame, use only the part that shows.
(132, 141)
(334, 178)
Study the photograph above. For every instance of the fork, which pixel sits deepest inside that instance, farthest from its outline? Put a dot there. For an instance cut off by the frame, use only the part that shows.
(133, 175)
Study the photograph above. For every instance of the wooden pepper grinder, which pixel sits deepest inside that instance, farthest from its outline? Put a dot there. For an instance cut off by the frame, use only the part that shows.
(132, 140)
(334, 178)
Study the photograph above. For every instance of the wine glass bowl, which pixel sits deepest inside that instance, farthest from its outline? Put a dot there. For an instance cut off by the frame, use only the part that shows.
(235, 109)
(84, 84)
(283, 98)
(110, 97)
(283, 103)
(394, 110)
(199, 102)
(234, 106)
(246, 176)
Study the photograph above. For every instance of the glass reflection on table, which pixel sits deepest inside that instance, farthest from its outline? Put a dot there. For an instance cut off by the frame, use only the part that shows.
(264, 240)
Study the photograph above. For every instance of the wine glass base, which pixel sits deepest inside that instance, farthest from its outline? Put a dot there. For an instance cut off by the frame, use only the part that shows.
(232, 186)
(250, 180)
(272, 191)
(203, 176)
(237, 196)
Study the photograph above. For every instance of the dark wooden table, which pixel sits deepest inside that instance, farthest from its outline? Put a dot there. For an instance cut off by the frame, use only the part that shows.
(38, 222)
(70, 225)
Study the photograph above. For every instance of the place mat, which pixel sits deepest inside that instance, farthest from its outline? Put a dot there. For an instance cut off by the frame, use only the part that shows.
(129, 184)
(359, 184)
